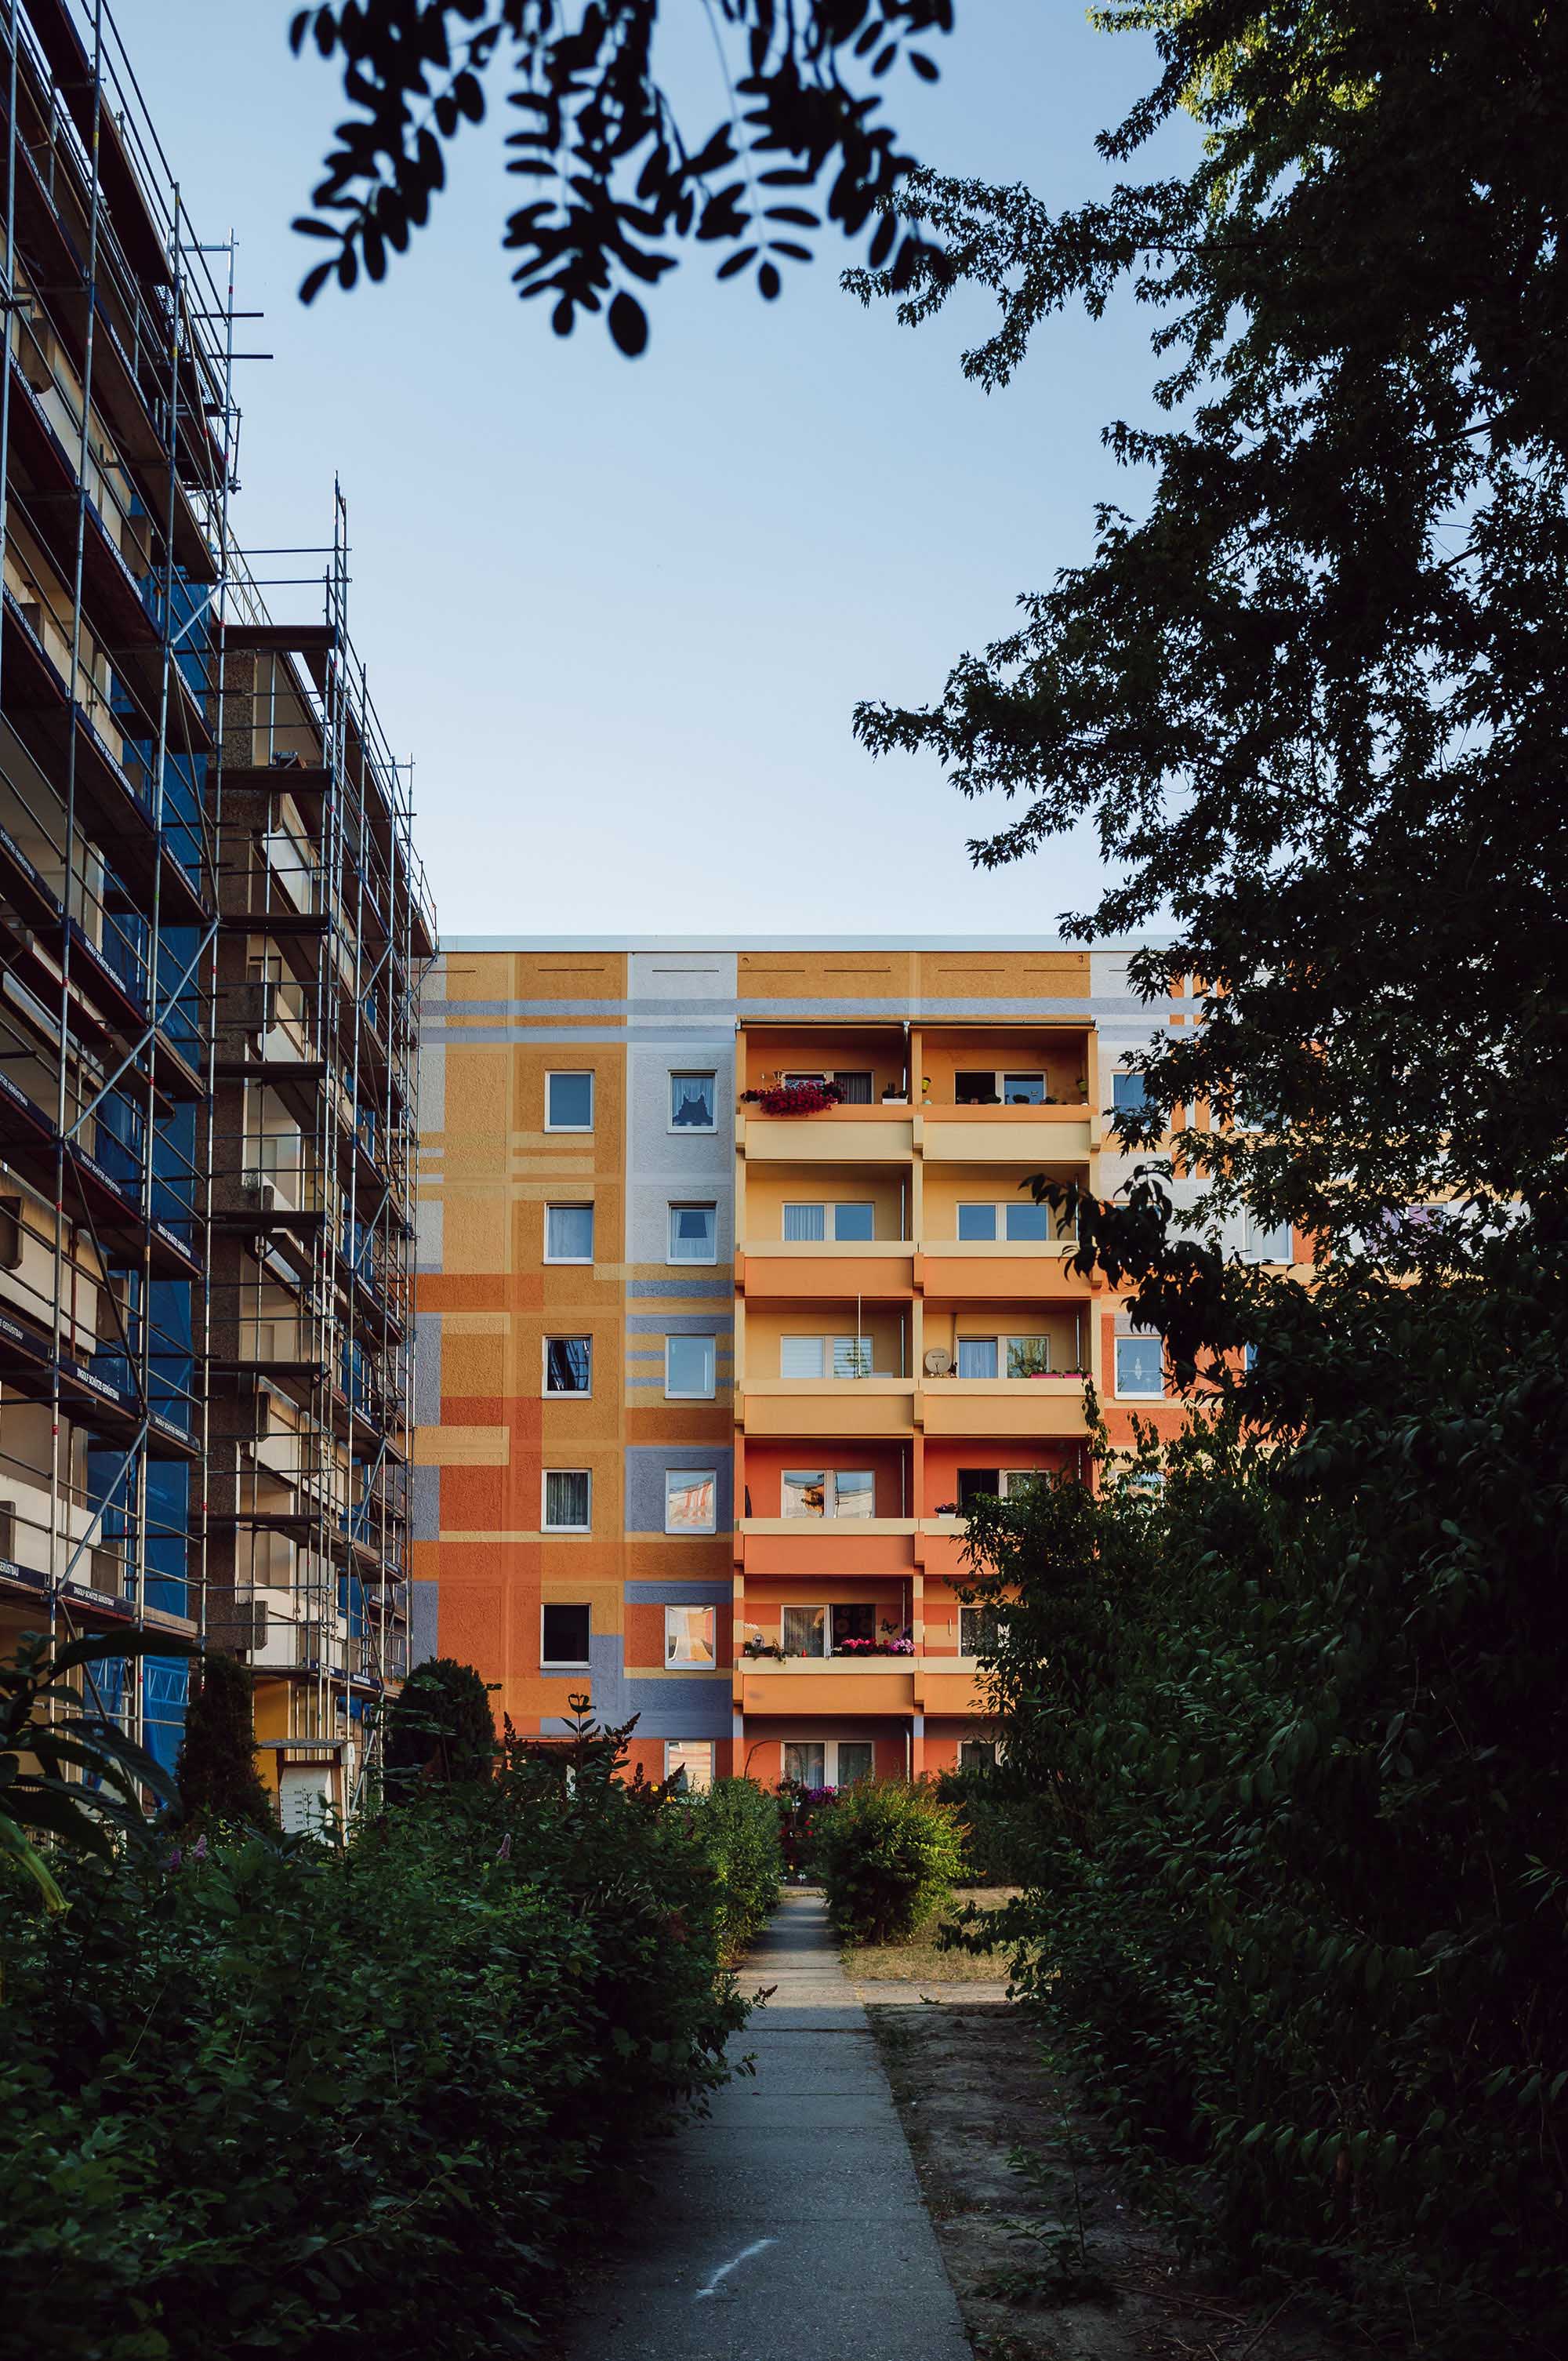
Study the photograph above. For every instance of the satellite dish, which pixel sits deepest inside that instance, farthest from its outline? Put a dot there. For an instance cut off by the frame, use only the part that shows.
(937, 1363)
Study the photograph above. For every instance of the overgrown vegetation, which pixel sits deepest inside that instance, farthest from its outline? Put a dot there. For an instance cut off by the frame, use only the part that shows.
(216, 1774)
(1294, 1736)
(258, 2096)
(738, 1825)
(888, 1852)
(440, 1729)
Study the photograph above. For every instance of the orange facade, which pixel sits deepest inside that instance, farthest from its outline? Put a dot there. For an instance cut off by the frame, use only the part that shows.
(703, 1388)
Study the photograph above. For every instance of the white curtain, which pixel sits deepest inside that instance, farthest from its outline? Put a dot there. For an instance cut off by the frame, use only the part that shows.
(804, 1222)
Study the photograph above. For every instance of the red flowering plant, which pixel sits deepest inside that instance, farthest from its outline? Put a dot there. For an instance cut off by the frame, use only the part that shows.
(893, 1641)
(779, 1097)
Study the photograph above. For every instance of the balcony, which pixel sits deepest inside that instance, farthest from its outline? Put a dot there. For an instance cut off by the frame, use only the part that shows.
(827, 1406)
(826, 1685)
(1003, 1407)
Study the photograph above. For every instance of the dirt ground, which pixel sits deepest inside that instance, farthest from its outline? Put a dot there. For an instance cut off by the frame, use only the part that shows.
(1047, 2263)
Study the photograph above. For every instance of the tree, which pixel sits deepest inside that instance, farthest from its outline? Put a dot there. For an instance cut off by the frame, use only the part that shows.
(596, 136)
(439, 1730)
(215, 1773)
(1314, 699)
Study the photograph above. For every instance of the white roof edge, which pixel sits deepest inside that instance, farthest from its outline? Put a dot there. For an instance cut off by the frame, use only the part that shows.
(793, 943)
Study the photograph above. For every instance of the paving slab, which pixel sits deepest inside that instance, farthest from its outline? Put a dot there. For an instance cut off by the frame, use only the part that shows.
(789, 2226)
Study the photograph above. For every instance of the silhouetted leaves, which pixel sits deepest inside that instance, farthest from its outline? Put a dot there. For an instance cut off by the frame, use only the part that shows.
(617, 182)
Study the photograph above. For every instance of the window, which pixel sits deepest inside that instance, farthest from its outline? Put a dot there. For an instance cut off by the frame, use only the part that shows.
(689, 1635)
(854, 1626)
(568, 1102)
(990, 1089)
(977, 1356)
(801, 1356)
(805, 1631)
(981, 1630)
(840, 1357)
(694, 1231)
(1140, 1366)
(567, 1494)
(1019, 1225)
(848, 1224)
(689, 1499)
(10, 1233)
(835, 1492)
(694, 1102)
(563, 1635)
(976, 1754)
(975, 1090)
(852, 1357)
(854, 1088)
(1016, 1480)
(689, 1368)
(568, 1233)
(1028, 1356)
(974, 1481)
(568, 1365)
(1128, 1094)
(689, 1761)
(854, 1761)
(1267, 1243)
(1022, 1090)
(805, 1762)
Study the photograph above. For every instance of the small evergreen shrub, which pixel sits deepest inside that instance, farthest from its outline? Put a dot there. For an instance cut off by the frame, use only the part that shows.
(215, 1773)
(439, 1730)
(737, 1825)
(889, 1852)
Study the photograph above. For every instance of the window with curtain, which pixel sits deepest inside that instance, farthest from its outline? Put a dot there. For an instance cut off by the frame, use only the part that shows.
(976, 1754)
(693, 1232)
(1268, 1242)
(1140, 1366)
(853, 1089)
(568, 1364)
(694, 1756)
(977, 1356)
(690, 1497)
(694, 1102)
(689, 1366)
(803, 1493)
(854, 1761)
(1016, 1480)
(805, 1223)
(979, 1630)
(568, 1233)
(689, 1635)
(852, 1357)
(805, 1631)
(805, 1762)
(567, 1491)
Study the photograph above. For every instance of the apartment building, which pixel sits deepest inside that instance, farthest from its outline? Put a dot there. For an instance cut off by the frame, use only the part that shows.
(211, 927)
(712, 1358)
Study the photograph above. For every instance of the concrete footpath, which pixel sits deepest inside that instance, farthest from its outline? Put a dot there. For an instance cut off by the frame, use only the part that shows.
(789, 2226)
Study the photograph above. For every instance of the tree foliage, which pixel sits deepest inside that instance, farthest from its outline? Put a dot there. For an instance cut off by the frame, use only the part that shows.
(1311, 698)
(1292, 1733)
(216, 1774)
(439, 1730)
(613, 180)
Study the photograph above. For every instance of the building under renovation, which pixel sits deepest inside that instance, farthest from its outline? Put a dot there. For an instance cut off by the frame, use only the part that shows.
(212, 931)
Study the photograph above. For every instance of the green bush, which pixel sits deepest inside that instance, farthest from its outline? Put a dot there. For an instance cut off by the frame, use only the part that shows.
(889, 1853)
(996, 1825)
(737, 1825)
(261, 2098)
(216, 1774)
(439, 1730)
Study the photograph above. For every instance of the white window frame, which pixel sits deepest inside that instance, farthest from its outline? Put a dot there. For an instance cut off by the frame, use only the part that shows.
(960, 1341)
(691, 1130)
(1040, 1337)
(1015, 1481)
(1138, 1393)
(830, 1746)
(829, 1209)
(702, 1663)
(1258, 1239)
(692, 1475)
(809, 1607)
(558, 1393)
(674, 1746)
(571, 1073)
(571, 1205)
(545, 1476)
(831, 1350)
(691, 1205)
(564, 1663)
(694, 1337)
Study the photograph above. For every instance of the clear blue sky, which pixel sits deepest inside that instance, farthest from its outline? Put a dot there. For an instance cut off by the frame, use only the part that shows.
(620, 612)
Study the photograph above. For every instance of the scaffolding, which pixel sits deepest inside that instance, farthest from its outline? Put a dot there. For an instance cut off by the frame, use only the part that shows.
(211, 927)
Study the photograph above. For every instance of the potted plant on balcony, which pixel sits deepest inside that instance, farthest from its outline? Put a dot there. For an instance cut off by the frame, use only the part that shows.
(779, 1097)
(893, 1096)
(756, 1647)
(1030, 1361)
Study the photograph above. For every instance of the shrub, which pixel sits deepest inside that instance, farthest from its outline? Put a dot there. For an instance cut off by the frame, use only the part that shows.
(737, 1824)
(259, 2098)
(440, 1729)
(889, 1853)
(215, 1773)
(995, 1823)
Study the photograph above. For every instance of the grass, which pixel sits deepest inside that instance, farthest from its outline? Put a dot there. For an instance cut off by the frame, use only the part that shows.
(919, 1960)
